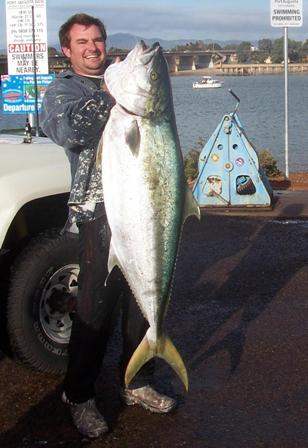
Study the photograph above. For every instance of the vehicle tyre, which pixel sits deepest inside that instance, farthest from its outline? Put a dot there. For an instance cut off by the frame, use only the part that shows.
(41, 301)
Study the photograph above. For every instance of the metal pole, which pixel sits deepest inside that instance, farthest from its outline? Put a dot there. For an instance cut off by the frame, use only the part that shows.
(286, 104)
(35, 77)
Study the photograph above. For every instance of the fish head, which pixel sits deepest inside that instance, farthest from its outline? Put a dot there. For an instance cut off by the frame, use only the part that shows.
(140, 83)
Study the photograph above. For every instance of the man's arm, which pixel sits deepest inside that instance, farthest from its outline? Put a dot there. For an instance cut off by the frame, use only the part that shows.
(69, 118)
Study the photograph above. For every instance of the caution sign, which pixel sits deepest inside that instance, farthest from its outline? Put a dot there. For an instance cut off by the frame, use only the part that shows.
(19, 27)
(286, 13)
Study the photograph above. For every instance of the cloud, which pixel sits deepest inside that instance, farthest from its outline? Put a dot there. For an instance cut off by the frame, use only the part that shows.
(188, 22)
(172, 21)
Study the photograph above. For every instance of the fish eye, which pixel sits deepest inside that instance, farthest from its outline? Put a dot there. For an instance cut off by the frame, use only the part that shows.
(154, 76)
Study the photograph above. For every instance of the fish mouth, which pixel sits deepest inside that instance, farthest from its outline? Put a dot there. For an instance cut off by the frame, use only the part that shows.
(147, 48)
(147, 53)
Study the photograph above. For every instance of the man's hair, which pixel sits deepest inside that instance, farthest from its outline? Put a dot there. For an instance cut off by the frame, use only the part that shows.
(80, 19)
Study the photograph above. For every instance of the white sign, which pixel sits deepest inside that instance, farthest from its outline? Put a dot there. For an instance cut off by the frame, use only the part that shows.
(20, 37)
(286, 13)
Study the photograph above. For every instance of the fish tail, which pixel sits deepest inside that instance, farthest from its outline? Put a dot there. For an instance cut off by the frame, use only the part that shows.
(163, 348)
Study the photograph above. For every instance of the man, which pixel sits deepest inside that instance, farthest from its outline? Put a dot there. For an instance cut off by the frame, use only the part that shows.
(75, 110)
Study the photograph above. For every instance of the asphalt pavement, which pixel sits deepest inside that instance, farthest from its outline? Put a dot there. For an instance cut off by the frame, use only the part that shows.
(239, 318)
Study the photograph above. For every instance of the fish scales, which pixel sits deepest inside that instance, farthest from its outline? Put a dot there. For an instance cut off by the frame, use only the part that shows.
(145, 193)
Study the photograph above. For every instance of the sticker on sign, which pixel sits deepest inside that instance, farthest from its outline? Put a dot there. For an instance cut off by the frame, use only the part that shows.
(286, 13)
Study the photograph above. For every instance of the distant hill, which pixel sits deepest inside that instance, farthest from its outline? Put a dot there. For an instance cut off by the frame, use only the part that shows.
(128, 41)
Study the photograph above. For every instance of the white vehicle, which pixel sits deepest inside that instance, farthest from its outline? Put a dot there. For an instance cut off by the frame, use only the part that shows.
(207, 82)
(39, 265)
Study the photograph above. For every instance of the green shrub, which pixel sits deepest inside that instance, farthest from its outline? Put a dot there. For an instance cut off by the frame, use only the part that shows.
(191, 164)
(269, 164)
(192, 158)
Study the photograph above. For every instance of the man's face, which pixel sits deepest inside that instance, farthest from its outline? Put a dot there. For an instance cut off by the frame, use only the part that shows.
(87, 50)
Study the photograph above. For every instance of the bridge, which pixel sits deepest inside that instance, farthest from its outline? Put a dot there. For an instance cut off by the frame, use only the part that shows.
(177, 60)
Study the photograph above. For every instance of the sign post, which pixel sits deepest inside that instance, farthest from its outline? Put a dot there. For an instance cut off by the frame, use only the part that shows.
(285, 13)
(35, 73)
(27, 50)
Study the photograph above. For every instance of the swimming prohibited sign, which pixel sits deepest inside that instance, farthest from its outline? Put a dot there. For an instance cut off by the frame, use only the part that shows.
(285, 13)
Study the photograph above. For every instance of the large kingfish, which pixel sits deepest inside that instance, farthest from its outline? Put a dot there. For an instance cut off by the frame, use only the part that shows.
(146, 196)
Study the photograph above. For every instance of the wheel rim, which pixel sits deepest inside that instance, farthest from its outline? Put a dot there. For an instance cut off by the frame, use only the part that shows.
(57, 303)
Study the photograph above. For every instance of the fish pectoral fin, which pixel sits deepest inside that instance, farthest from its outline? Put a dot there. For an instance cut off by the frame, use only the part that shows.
(112, 258)
(191, 207)
(99, 155)
(132, 137)
(165, 349)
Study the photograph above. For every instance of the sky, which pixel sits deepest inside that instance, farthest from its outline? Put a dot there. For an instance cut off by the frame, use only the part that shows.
(221, 20)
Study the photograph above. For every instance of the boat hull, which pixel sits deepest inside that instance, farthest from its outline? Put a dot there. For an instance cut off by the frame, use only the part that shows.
(200, 86)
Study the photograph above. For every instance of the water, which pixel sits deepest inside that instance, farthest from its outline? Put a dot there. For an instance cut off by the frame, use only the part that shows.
(261, 112)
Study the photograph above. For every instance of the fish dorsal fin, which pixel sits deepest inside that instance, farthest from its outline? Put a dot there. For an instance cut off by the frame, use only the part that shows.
(132, 137)
(191, 207)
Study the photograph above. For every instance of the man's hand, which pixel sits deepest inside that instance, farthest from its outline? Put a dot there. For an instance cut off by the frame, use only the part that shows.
(104, 88)
(116, 60)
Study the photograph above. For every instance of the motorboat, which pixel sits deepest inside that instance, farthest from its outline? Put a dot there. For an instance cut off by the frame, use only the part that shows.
(207, 82)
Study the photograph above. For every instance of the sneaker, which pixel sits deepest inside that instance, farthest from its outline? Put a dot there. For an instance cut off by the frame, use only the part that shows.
(87, 418)
(149, 399)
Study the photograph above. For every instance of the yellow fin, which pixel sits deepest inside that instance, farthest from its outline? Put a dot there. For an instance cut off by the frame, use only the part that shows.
(165, 349)
(191, 207)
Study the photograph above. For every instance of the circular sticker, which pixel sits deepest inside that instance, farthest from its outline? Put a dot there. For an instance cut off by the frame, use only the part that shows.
(240, 161)
(228, 166)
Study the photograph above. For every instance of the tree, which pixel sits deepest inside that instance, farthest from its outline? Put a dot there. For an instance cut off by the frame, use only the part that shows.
(265, 45)
(304, 51)
(191, 164)
(52, 51)
(198, 45)
(277, 51)
(295, 52)
(305, 45)
(213, 46)
(258, 57)
(269, 164)
(243, 51)
(230, 47)
(117, 50)
(294, 48)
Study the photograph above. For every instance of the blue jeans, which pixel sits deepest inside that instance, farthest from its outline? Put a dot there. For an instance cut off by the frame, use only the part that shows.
(98, 307)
